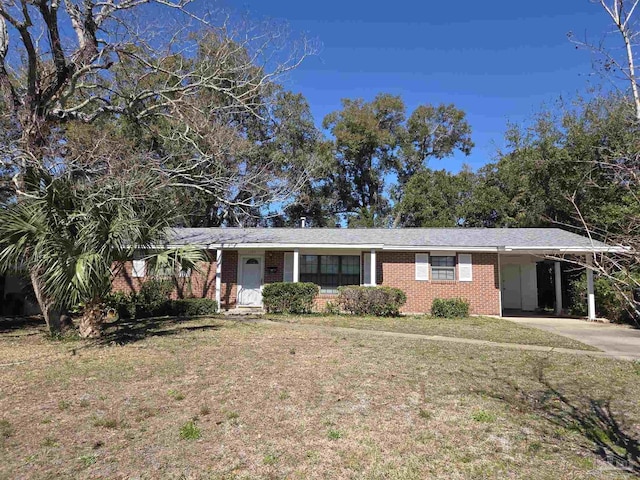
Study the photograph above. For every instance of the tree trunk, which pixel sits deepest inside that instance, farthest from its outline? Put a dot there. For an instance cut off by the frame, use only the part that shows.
(51, 317)
(91, 321)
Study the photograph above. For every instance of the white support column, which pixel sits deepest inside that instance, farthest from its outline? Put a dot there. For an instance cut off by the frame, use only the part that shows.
(591, 296)
(219, 278)
(296, 265)
(373, 267)
(500, 285)
(557, 267)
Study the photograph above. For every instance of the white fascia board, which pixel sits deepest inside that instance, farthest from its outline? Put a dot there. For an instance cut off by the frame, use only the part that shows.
(439, 248)
(289, 246)
(576, 250)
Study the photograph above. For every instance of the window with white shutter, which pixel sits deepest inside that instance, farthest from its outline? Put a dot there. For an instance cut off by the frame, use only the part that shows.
(139, 268)
(465, 267)
(288, 267)
(422, 266)
(367, 269)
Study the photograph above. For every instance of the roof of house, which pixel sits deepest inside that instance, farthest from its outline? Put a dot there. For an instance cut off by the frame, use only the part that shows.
(487, 239)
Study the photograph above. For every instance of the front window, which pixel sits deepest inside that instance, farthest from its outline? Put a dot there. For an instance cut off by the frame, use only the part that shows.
(330, 271)
(443, 268)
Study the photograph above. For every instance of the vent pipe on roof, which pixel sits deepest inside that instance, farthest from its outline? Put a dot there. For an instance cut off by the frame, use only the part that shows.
(303, 222)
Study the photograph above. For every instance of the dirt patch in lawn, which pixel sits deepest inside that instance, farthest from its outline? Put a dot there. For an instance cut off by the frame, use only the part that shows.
(220, 399)
(478, 328)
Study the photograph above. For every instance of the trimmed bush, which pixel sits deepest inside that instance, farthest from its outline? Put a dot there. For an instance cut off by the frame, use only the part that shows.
(377, 301)
(284, 297)
(450, 308)
(191, 307)
(151, 301)
(153, 298)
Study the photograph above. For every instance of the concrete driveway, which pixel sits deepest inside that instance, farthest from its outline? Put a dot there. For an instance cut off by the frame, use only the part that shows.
(619, 341)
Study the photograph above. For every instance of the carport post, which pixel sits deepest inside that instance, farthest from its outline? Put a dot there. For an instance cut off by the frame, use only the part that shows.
(591, 297)
(557, 267)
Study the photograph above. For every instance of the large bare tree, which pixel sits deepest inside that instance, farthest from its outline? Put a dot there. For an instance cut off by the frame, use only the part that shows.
(615, 56)
(97, 89)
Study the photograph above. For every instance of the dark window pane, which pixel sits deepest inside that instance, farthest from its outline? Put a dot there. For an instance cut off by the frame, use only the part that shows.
(308, 264)
(329, 264)
(330, 271)
(447, 261)
(443, 273)
(351, 265)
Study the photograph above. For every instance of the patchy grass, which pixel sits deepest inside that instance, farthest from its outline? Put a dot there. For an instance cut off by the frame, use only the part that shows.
(483, 416)
(357, 406)
(478, 328)
(190, 431)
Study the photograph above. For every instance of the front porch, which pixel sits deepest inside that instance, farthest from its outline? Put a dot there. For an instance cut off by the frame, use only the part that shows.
(242, 273)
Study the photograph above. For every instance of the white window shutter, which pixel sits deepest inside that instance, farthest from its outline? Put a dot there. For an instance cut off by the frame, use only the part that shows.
(288, 267)
(422, 266)
(139, 269)
(367, 269)
(465, 267)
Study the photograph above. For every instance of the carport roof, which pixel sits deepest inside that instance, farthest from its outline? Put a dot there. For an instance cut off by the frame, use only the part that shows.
(481, 239)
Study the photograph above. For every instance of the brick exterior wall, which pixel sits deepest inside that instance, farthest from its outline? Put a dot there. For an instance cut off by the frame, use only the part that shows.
(199, 285)
(229, 294)
(397, 269)
(394, 269)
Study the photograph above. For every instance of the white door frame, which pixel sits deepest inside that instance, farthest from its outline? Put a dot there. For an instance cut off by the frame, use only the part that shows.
(242, 256)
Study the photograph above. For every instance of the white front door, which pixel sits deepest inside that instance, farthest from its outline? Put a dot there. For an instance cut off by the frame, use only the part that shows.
(511, 287)
(250, 293)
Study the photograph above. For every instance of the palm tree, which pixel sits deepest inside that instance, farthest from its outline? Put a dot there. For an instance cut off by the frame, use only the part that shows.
(72, 237)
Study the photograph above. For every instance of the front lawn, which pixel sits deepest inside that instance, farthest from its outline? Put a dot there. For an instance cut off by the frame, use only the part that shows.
(218, 399)
(479, 328)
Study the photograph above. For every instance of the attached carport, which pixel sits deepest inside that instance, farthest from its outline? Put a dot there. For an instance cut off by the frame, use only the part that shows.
(519, 281)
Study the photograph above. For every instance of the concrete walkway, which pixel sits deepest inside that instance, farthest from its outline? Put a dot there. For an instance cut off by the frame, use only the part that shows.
(437, 338)
(618, 341)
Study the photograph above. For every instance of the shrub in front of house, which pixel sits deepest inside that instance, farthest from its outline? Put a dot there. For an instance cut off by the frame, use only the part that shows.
(153, 299)
(191, 307)
(450, 308)
(281, 297)
(123, 304)
(376, 301)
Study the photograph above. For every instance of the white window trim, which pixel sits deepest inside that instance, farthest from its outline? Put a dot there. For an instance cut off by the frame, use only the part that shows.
(465, 259)
(422, 259)
(138, 266)
(287, 273)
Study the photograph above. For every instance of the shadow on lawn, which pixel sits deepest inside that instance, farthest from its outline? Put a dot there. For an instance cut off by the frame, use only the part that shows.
(126, 331)
(11, 324)
(593, 419)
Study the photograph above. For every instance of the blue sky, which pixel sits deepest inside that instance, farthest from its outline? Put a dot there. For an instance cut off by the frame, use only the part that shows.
(499, 60)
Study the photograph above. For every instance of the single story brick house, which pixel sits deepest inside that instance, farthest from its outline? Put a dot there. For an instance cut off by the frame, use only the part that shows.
(494, 269)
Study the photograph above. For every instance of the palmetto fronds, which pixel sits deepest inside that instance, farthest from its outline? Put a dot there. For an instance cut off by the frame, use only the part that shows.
(75, 235)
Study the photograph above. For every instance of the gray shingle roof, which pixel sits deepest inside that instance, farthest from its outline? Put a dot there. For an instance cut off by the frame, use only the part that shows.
(551, 238)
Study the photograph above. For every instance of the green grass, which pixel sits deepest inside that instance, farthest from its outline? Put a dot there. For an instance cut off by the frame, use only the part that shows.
(478, 328)
(483, 416)
(190, 431)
